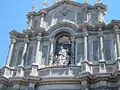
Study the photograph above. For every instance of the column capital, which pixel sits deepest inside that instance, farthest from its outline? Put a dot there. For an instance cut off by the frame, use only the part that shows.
(26, 40)
(39, 38)
(100, 32)
(72, 39)
(85, 33)
(116, 28)
(13, 40)
(52, 40)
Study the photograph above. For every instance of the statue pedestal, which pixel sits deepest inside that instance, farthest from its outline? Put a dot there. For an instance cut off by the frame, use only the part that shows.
(20, 71)
(86, 66)
(102, 67)
(118, 64)
(34, 69)
(7, 72)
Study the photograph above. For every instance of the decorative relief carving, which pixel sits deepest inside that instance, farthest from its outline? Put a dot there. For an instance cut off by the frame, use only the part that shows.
(65, 15)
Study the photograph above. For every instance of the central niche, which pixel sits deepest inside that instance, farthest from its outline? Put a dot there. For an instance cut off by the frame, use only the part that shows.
(63, 45)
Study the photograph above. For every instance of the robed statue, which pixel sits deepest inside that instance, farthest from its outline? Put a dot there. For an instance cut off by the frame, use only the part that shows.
(63, 57)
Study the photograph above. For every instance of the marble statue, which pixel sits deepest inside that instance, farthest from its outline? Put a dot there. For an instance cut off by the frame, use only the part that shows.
(62, 58)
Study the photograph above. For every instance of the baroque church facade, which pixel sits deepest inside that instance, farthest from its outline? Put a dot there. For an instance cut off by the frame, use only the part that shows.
(67, 46)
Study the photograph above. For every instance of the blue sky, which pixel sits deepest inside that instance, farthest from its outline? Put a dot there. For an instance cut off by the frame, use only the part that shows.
(13, 17)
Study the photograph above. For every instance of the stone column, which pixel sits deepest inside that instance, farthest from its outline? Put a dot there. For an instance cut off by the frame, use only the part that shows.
(117, 30)
(102, 67)
(24, 50)
(51, 51)
(10, 51)
(85, 64)
(37, 61)
(100, 34)
(7, 71)
(38, 57)
(20, 68)
(85, 43)
(73, 51)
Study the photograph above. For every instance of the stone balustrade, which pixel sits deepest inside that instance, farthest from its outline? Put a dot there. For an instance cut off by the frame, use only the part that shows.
(60, 71)
(64, 71)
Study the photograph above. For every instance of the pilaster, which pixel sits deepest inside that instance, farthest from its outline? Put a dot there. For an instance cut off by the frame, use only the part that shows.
(16, 87)
(73, 51)
(85, 65)
(20, 68)
(1, 86)
(31, 86)
(7, 70)
(84, 85)
(37, 62)
(85, 34)
(24, 50)
(102, 62)
(38, 51)
(51, 51)
(13, 41)
(117, 32)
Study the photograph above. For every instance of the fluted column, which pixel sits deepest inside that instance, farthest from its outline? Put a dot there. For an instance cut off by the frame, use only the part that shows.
(117, 30)
(24, 50)
(102, 63)
(85, 43)
(51, 50)
(10, 51)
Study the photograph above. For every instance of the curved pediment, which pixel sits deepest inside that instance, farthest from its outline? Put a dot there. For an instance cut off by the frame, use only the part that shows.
(63, 25)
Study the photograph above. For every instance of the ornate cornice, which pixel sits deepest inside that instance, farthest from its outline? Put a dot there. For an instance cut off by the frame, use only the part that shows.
(92, 29)
(17, 34)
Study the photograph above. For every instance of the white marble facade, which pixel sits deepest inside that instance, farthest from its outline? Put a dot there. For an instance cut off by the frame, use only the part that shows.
(67, 46)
